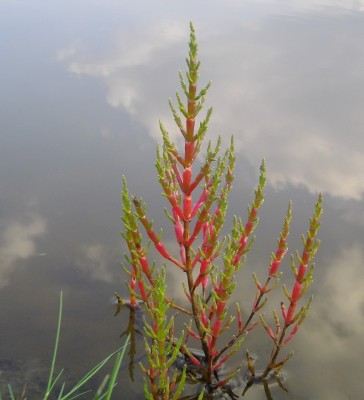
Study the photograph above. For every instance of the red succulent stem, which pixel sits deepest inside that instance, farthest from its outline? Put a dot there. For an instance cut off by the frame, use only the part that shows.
(303, 280)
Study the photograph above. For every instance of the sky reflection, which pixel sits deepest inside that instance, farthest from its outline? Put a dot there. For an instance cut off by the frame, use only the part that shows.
(84, 85)
(291, 87)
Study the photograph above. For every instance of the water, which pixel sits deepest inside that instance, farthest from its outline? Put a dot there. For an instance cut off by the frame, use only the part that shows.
(83, 85)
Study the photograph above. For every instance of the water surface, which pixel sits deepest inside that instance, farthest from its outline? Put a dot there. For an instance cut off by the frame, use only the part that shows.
(83, 86)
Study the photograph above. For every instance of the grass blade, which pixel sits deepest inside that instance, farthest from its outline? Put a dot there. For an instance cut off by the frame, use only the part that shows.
(96, 369)
(116, 369)
(11, 393)
(51, 372)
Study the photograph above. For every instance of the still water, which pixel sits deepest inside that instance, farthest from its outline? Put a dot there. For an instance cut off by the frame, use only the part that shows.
(83, 86)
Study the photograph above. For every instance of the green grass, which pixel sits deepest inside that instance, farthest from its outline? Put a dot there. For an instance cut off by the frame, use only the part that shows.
(104, 392)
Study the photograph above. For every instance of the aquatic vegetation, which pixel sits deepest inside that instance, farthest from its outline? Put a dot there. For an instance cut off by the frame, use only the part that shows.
(56, 390)
(209, 263)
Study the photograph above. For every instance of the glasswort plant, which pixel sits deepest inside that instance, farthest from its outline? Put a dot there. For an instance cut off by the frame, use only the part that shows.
(197, 193)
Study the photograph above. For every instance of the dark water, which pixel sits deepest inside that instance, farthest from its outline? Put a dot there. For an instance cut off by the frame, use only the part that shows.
(83, 85)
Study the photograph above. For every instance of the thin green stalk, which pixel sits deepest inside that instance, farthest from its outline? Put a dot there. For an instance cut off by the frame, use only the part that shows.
(72, 393)
(116, 369)
(50, 379)
(11, 393)
(88, 376)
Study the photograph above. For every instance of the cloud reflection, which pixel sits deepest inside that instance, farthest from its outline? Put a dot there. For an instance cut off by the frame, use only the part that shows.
(343, 292)
(334, 6)
(287, 87)
(95, 259)
(18, 243)
(333, 336)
